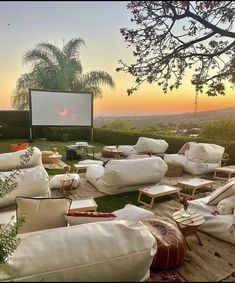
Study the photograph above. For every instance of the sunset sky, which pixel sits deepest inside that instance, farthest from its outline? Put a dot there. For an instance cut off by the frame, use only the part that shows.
(24, 24)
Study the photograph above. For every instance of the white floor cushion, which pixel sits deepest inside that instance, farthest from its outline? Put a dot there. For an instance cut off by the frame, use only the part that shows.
(133, 213)
(55, 181)
(110, 251)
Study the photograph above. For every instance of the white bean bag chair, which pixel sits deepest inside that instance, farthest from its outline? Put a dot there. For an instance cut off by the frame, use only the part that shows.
(32, 179)
(200, 158)
(205, 153)
(149, 145)
(10, 160)
(55, 181)
(124, 175)
(111, 251)
(215, 225)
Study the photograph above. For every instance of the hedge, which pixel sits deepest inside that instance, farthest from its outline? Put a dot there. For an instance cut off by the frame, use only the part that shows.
(16, 124)
(112, 137)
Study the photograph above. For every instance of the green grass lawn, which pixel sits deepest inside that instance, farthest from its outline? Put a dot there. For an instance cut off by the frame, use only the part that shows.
(107, 203)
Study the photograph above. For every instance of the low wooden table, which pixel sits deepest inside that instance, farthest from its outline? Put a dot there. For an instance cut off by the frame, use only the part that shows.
(194, 184)
(227, 170)
(189, 225)
(84, 205)
(156, 191)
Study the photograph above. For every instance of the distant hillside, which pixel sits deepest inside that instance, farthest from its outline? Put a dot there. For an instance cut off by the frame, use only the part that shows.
(138, 121)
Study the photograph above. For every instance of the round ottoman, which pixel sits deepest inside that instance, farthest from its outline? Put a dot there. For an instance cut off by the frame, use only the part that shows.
(171, 247)
(175, 169)
(107, 151)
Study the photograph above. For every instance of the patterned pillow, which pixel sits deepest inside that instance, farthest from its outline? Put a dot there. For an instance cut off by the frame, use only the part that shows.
(80, 217)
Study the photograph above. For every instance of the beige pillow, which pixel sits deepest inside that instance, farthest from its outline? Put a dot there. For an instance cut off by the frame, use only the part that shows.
(42, 213)
(221, 193)
(45, 156)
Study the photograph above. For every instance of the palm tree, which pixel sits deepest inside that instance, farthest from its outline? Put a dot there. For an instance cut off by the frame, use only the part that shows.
(56, 69)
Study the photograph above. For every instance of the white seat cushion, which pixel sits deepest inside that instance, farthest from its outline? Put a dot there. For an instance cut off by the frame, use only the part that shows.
(133, 214)
(91, 161)
(55, 181)
(227, 205)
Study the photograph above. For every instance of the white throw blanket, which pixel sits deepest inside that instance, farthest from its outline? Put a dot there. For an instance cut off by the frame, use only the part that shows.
(226, 205)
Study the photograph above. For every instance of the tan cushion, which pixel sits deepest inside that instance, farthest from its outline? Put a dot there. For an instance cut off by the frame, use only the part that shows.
(45, 156)
(42, 213)
(221, 193)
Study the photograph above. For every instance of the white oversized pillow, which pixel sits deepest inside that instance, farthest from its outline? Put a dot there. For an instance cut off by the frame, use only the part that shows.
(42, 213)
(226, 205)
(111, 251)
(31, 182)
(149, 145)
(133, 213)
(10, 160)
(91, 161)
(205, 152)
(221, 193)
(127, 150)
(131, 172)
(55, 181)
(79, 217)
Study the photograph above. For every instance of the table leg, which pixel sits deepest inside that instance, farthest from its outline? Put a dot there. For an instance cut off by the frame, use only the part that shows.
(215, 175)
(198, 238)
(152, 202)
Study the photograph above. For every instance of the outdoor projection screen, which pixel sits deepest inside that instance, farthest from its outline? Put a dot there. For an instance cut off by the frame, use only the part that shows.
(57, 108)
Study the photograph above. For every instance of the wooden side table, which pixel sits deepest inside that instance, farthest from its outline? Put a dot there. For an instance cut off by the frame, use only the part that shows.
(55, 159)
(156, 191)
(194, 184)
(189, 225)
(67, 184)
(226, 170)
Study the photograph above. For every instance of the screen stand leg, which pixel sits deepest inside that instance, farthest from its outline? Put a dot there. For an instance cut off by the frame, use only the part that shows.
(30, 135)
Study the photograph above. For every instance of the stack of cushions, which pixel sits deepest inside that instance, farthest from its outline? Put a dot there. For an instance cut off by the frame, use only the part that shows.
(32, 180)
(45, 156)
(198, 158)
(55, 181)
(125, 175)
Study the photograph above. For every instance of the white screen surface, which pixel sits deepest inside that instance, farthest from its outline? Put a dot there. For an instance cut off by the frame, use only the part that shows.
(54, 108)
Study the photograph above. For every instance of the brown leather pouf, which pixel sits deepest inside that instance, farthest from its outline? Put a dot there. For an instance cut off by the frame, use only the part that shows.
(171, 246)
(107, 152)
